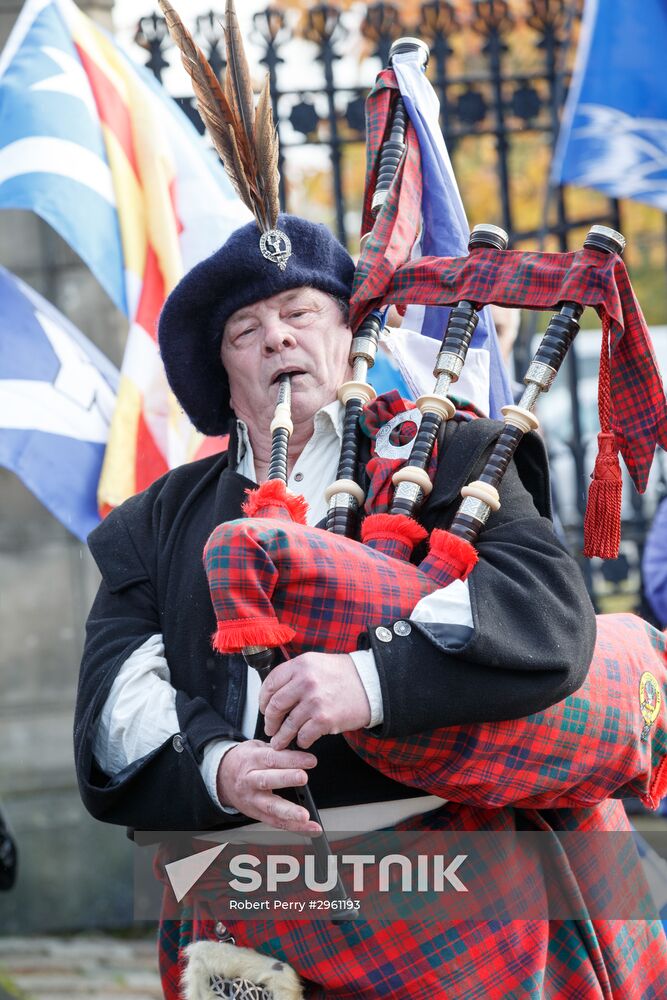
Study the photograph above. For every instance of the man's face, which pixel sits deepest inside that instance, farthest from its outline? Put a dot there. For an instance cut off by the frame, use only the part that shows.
(300, 331)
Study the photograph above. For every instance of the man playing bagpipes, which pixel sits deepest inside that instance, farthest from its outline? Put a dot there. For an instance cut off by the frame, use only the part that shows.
(460, 677)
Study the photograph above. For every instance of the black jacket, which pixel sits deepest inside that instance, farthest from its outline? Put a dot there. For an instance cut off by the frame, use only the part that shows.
(531, 646)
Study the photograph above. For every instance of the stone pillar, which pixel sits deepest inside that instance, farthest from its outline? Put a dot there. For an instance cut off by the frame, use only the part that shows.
(74, 872)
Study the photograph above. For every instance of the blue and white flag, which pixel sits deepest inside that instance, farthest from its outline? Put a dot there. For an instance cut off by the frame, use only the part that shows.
(614, 131)
(57, 394)
(52, 154)
(445, 233)
(92, 144)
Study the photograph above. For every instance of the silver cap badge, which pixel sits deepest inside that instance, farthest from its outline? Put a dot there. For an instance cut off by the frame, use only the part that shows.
(275, 245)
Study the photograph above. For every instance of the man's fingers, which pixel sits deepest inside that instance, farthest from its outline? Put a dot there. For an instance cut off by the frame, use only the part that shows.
(270, 758)
(302, 726)
(284, 815)
(268, 780)
(285, 731)
(311, 732)
(252, 774)
(278, 678)
(304, 735)
(279, 705)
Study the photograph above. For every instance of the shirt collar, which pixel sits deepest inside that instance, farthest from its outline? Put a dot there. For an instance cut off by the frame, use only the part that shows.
(332, 417)
(329, 417)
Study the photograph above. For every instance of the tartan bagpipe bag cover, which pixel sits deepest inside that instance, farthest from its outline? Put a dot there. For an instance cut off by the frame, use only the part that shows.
(311, 590)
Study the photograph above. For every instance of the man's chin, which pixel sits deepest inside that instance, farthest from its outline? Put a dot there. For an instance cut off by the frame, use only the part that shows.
(305, 404)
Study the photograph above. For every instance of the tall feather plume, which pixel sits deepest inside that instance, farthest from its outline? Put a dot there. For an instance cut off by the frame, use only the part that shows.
(245, 140)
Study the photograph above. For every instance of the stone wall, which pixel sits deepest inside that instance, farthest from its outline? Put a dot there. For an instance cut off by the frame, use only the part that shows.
(74, 872)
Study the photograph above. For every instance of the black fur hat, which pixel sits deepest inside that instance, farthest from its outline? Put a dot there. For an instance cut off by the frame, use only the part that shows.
(193, 317)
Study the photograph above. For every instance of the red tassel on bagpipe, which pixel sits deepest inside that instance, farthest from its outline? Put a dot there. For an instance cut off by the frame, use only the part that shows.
(394, 534)
(273, 499)
(602, 523)
(449, 558)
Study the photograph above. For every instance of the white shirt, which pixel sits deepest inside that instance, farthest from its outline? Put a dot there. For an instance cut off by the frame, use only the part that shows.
(139, 714)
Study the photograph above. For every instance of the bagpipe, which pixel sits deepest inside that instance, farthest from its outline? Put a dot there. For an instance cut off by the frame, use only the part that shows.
(280, 588)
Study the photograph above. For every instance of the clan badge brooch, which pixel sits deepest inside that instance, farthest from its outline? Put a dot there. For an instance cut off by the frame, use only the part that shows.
(650, 700)
(276, 246)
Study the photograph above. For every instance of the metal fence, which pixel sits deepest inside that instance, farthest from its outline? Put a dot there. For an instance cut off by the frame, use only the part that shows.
(500, 69)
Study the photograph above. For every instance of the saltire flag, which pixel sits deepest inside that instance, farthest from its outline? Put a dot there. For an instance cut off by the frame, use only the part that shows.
(405, 362)
(614, 131)
(57, 394)
(92, 144)
(443, 232)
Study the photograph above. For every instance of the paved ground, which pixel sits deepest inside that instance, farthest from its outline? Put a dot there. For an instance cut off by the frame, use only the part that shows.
(92, 966)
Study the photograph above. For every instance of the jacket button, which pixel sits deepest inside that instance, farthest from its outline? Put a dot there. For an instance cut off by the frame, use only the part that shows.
(383, 634)
(402, 628)
(178, 743)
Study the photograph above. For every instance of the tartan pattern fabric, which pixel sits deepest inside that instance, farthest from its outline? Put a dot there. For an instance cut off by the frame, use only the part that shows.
(397, 535)
(542, 281)
(449, 557)
(304, 581)
(394, 230)
(576, 753)
(460, 960)
(176, 932)
(379, 468)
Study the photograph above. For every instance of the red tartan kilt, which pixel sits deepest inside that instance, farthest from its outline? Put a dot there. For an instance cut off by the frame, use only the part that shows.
(329, 590)
(432, 957)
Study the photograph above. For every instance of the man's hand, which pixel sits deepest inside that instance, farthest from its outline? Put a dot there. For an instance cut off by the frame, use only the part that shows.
(249, 774)
(313, 695)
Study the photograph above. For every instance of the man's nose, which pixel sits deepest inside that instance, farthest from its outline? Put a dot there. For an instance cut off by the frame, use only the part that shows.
(277, 336)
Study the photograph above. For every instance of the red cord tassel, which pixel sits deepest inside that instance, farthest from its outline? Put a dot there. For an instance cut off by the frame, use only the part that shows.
(273, 496)
(602, 524)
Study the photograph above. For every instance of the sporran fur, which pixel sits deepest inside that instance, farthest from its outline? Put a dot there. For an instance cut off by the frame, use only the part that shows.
(218, 969)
